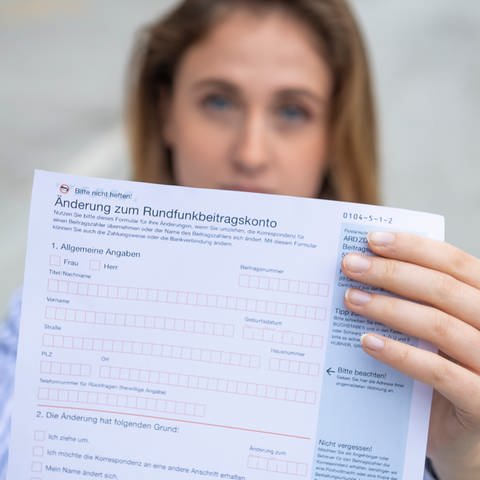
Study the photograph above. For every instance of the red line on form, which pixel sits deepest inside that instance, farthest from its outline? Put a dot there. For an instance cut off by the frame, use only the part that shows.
(230, 427)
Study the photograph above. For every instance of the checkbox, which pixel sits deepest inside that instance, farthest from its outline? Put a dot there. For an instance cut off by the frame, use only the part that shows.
(39, 435)
(94, 265)
(37, 451)
(37, 467)
(55, 260)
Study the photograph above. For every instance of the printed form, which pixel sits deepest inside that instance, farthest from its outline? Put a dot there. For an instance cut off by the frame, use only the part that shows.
(178, 333)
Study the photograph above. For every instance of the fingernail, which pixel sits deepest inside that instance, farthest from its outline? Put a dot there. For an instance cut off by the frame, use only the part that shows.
(372, 342)
(357, 263)
(357, 297)
(381, 239)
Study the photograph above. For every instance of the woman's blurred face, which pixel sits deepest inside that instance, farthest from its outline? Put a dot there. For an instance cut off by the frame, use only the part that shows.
(249, 108)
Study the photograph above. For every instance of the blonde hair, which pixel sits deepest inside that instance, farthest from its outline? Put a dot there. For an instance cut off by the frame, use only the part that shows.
(352, 169)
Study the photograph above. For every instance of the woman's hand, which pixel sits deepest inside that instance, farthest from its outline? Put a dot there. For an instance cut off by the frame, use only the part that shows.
(440, 286)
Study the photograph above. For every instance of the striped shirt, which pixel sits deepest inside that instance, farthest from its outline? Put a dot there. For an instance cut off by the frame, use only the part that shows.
(8, 353)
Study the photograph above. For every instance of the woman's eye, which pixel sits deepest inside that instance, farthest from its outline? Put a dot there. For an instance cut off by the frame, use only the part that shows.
(217, 102)
(293, 113)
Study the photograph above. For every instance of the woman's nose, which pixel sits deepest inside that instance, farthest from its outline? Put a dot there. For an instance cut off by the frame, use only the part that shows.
(251, 153)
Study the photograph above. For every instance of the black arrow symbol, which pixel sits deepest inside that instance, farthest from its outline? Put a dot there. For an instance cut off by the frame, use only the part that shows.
(330, 370)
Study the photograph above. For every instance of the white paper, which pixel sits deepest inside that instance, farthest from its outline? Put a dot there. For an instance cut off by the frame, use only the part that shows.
(213, 346)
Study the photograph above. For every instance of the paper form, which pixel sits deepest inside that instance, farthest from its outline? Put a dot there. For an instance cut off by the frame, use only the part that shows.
(177, 333)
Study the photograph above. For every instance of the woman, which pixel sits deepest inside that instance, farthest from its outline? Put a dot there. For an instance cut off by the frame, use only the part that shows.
(274, 96)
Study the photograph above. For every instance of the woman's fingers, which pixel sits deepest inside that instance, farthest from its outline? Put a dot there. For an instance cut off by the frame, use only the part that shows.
(457, 384)
(428, 253)
(457, 339)
(441, 289)
(417, 283)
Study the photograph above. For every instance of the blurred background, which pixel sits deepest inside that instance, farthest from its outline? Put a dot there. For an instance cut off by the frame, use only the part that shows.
(62, 66)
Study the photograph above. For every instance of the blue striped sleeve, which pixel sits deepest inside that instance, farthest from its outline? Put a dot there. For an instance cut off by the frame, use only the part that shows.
(8, 354)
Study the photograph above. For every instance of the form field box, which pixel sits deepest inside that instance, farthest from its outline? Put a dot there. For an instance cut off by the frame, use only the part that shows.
(95, 265)
(36, 467)
(55, 260)
(39, 435)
